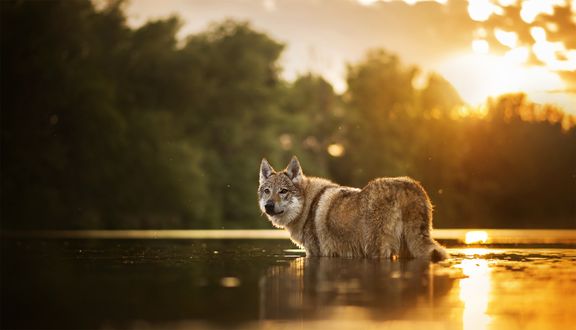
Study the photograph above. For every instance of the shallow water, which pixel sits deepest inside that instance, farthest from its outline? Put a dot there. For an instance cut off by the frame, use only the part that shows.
(268, 283)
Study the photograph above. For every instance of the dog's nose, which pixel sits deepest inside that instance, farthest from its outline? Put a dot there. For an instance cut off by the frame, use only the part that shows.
(269, 206)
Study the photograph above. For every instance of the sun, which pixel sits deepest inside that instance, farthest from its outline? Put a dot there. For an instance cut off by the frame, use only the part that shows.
(499, 61)
(477, 76)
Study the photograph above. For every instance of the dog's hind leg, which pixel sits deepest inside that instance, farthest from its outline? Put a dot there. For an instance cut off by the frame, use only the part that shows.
(385, 234)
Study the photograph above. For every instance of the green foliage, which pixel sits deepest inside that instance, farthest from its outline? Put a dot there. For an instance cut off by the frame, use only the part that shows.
(380, 119)
(310, 122)
(105, 126)
(108, 127)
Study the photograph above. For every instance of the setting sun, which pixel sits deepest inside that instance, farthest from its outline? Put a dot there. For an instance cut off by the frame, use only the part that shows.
(483, 72)
(511, 58)
(532, 61)
(479, 76)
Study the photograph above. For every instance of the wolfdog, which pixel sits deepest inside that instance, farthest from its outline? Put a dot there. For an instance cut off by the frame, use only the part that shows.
(388, 218)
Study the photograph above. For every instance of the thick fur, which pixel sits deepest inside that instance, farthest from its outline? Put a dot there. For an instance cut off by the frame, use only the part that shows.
(388, 218)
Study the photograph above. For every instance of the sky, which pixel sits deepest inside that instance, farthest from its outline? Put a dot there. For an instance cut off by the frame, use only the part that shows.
(483, 47)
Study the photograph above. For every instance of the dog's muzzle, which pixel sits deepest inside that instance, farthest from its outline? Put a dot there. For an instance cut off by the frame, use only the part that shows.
(269, 207)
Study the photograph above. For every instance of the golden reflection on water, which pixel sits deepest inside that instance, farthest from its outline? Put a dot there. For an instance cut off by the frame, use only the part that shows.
(476, 237)
(475, 293)
(476, 251)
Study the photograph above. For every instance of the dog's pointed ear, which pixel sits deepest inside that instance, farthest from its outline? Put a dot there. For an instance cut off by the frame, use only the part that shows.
(294, 171)
(265, 170)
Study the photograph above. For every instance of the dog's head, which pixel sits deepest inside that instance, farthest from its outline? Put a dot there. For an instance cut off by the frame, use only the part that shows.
(281, 194)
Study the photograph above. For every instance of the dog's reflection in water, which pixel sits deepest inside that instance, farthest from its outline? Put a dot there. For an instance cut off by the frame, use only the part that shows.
(372, 289)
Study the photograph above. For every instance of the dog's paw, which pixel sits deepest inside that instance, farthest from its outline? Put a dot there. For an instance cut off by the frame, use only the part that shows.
(388, 253)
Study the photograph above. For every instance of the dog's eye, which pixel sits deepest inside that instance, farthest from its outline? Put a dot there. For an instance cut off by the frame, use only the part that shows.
(283, 191)
(266, 191)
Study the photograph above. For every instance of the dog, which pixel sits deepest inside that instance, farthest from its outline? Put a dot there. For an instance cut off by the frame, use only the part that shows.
(388, 218)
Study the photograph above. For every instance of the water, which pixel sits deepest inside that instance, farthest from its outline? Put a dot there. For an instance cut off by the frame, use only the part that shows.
(115, 283)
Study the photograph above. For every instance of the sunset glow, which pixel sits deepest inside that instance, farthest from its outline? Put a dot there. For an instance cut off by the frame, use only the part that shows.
(509, 39)
(478, 76)
(480, 46)
(488, 74)
(410, 2)
(532, 8)
(487, 71)
(481, 10)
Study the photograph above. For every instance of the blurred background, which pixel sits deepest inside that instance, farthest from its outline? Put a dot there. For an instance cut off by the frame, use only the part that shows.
(156, 114)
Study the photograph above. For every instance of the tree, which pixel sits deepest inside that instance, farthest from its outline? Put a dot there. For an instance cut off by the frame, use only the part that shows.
(381, 101)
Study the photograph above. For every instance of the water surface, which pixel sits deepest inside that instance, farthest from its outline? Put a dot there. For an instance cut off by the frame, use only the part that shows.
(95, 283)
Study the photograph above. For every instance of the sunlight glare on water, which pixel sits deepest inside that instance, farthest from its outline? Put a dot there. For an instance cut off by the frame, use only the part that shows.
(475, 252)
(475, 293)
(476, 236)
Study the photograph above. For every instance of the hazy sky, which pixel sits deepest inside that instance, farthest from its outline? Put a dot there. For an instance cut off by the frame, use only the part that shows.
(323, 35)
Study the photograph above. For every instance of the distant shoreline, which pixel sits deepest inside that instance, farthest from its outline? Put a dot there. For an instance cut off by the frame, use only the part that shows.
(495, 236)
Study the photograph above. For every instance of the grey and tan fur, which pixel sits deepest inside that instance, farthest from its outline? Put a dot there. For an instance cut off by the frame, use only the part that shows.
(388, 218)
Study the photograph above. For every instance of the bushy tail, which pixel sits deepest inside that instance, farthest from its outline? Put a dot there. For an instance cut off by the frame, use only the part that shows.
(417, 231)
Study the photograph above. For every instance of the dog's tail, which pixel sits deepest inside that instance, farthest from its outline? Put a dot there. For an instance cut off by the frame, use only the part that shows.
(417, 231)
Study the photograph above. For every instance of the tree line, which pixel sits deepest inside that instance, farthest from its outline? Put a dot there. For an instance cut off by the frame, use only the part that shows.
(108, 126)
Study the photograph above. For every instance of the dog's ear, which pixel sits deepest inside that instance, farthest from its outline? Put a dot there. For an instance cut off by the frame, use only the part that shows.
(294, 171)
(265, 170)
